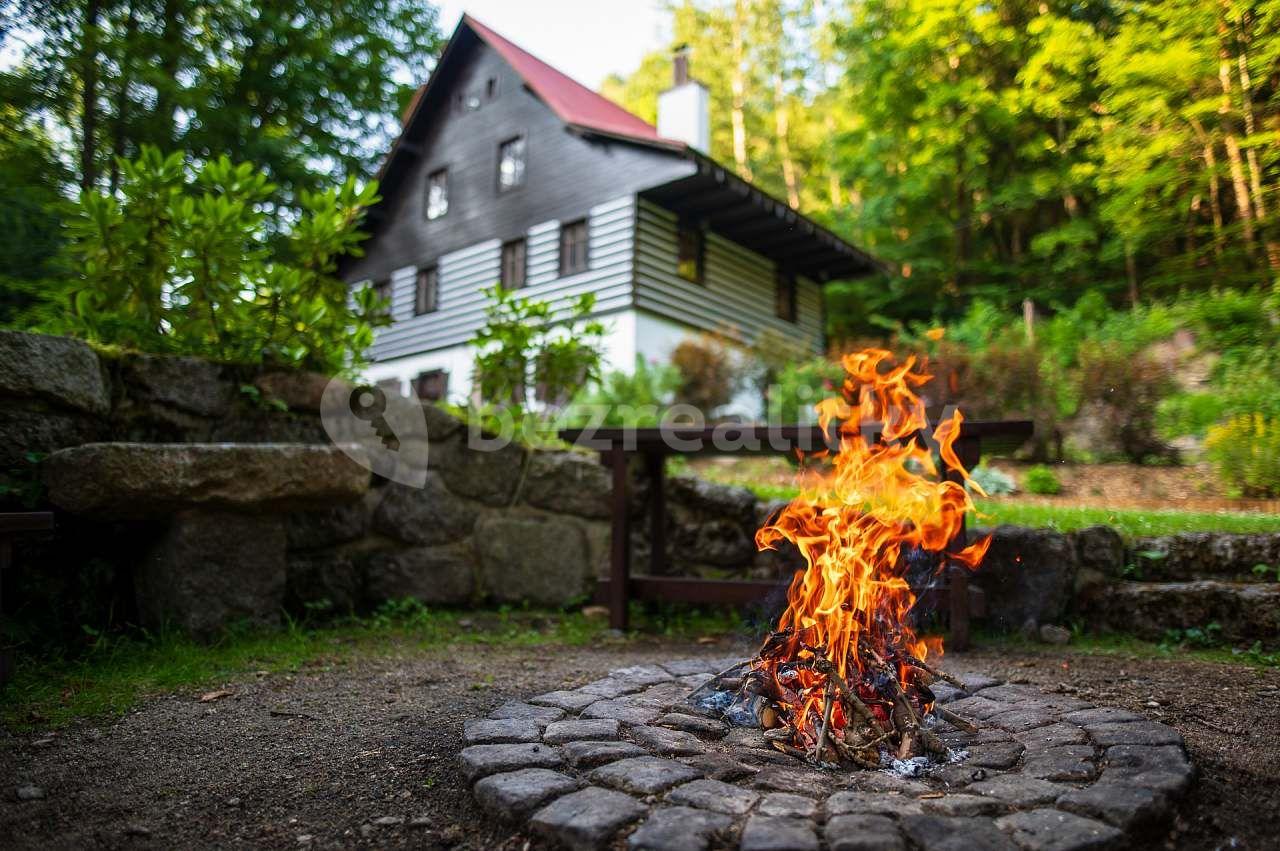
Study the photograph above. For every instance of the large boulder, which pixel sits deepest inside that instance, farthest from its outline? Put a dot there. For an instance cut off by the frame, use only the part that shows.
(427, 515)
(137, 479)
(1243, 611)
(213, 569)
(297, 390)
(192, 385)
(330, 581)
(23, 431)
(1100, 548)
(485, 474)
(433, 574)
(329, 526)
(568, 483)
(1204, 555)
(538, 558)
(59, 370)
(1027, 574)
(696, 496)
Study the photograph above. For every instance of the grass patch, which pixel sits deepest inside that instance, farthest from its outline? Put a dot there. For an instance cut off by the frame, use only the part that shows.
(117, 673)
(1130, 522)
(1119, 644)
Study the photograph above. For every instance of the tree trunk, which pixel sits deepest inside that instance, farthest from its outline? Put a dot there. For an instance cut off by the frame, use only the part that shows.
(782, 126)
(1270, 245)
(89, 94)
(170, 38)
(1131, 273)
(1235, 162)
(1215, 197)
(122, 96)
(833, 173)
(738, 84)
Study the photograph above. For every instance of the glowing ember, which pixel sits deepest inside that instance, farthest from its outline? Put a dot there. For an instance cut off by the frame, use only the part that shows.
(845, 667)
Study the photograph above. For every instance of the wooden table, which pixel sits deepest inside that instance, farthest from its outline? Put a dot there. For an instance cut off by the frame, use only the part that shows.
(617, 445)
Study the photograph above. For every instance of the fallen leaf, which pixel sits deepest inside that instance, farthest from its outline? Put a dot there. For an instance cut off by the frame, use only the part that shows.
(211, 696)
(707, 639)
(928, 795)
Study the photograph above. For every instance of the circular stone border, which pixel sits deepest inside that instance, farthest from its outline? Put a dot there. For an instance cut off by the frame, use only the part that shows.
(622, 756)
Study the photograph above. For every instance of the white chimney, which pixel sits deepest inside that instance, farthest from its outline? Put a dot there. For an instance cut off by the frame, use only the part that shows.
(684, 111)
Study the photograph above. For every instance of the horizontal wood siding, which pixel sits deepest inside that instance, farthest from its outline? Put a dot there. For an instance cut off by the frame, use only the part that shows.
(737, 296)
(465, 273)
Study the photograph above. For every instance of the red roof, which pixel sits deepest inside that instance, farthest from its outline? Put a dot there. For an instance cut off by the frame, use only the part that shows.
(573, 102)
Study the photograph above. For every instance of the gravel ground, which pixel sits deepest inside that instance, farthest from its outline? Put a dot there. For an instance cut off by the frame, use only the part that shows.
(362, 752)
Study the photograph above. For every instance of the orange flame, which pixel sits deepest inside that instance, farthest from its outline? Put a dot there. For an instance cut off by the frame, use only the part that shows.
(883, 497)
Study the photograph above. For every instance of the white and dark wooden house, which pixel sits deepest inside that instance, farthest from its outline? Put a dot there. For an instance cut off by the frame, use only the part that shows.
(507, 171)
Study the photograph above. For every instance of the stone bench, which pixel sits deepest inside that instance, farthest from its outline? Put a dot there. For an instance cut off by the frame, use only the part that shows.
(220, 557)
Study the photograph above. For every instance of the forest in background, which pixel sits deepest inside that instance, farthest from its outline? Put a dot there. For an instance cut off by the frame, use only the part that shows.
(1001, 151)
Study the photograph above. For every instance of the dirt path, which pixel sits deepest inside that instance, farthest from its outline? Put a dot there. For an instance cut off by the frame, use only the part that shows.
(330, 752)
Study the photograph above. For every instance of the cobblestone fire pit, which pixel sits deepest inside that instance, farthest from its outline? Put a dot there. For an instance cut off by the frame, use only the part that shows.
(624, 762)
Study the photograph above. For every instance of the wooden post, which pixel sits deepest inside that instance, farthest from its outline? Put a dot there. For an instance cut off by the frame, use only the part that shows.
(656, 466)
(620, 542)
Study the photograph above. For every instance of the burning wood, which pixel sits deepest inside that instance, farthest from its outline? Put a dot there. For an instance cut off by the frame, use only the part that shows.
(844, 679)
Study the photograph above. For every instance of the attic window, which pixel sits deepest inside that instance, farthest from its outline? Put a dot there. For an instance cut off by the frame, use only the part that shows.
(513, 264)
(427, 292)
(511, 164)
(784, 300)
(573, 247)
(437, 194)
(690, 252)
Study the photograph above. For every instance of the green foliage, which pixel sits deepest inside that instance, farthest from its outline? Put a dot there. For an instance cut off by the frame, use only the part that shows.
(1246, 452)
(1135, 523)
(1208, 636)
(992, 481)
(799, 387)
(639, 399)
(709, 373)
(1040, 479)
(180, 262)
(1123, 390)
(559, 349)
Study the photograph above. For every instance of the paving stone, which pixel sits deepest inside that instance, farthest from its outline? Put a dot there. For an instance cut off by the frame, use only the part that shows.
(876, 781)
(979, 708)
(516, 794)
(774, 833)
(812, 782)
(714, 795)
(1101, 715)
(765, 758)
(490, 731)
(570, 701)
(645, 675)
(995, 755)
(1042, 738)
(963, 805)
(587, 819)
(1071, 764)
(977, 682)
(624, 711)
(544, 715)
(695, 681)
(863, 833)
(611, 687)
(1014, 693)
(666, 742)
(592, 754)
(946, 693)
(679, 829)
(685, 667)
(1134, 733)
(482, 760)
(1163, 769)
(1120, 803)
(582, 730)
(720, 766)
(746, 737)
(644, 775)
(666, 696)
(1017, 720)
(879, 803)
(1018, 790)
(941, 833)
(1051, 830)
(787, 804)
(959, 776)
(697, 724)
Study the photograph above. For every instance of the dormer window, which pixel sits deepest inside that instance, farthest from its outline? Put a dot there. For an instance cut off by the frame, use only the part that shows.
(511, 164)
(437, 194)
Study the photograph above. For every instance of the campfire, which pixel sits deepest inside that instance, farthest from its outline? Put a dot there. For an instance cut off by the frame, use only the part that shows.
(844, 680)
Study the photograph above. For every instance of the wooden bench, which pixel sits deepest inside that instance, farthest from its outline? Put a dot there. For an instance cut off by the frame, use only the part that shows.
(618, 445)
(11, 525)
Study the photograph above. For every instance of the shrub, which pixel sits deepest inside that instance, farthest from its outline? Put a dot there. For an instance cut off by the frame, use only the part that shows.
(709, 376)
(1123, 390)
(1246, 452)
(638, 398)
(799, 387)
(771, 354)
(992, 481)
(183, 262)
(1041, 480)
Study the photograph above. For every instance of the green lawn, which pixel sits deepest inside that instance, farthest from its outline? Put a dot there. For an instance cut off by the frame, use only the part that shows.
(1129, 522)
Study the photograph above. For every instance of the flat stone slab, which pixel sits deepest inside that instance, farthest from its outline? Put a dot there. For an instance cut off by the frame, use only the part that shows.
(516, 794)
(644, 775)
(127, 480)
(581, 730)
(679, 829)
(588, 819)
(635, 765)
(482, 760)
